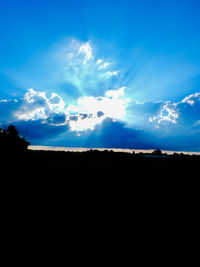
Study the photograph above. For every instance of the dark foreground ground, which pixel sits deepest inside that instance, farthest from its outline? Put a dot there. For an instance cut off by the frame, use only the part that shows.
(37, 222)
(94, 171)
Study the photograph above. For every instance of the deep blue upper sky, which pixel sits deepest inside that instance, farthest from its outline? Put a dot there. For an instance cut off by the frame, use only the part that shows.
(170, 27)
(151, 47)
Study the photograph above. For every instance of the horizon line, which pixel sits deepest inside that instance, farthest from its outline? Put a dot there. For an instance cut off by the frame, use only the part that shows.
(126, 150)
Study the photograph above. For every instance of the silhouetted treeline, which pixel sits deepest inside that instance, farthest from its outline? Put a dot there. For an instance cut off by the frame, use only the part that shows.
(28, 176)
(103, 171)
(11, 142)
(107, 171)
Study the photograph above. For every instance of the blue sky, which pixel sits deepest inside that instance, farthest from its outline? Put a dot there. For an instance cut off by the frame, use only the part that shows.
(102, 73)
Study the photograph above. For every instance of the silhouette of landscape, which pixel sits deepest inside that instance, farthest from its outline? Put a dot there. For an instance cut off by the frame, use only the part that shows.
(44, 172)
(29, 174)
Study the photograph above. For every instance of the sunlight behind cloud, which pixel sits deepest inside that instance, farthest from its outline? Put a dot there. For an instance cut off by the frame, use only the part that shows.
(91, 88)
(112, 105)
(85, 115)
(87, 71)
(86, 50)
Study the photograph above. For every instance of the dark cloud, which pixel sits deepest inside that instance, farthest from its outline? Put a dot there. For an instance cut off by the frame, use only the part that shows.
(83, 115)
(115, 134)
(73, 117)
(108, 134)
(56, 119)
(100, 114)
(38, 132)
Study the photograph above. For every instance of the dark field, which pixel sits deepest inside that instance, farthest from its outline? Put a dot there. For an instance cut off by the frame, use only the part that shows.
(94, 171)
(30, 178)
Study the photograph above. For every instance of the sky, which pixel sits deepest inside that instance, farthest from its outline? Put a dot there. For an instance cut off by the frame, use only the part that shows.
(121, 74)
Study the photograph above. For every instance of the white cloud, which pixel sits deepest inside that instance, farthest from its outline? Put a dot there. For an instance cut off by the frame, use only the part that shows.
(56, 102)
(87, 123)
(8, 100)
(185, 114)
(78, 54)
(104, 65)
(88, 112)
(111, 73)
(86, 50)
(115, 93)
(191, 99)
(168, 113)
(86, 70)
(99, 61)
(37, 106)
(112, 105)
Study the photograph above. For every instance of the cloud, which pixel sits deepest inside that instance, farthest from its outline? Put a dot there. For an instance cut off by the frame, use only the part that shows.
(114, 134)
(89, 111)
(110, 73)
(112, 105)
(78, 54)
(73, 67)
(112, 120)
(87, 71)
(88, 91)
(179, 116)
(168, 113)
(82, 116)
(99, 61)
(86, 50)
(87, 123)
(38, 132)
(115, 93)
(192, 99)
(109, 133)
(37, 106)
(138, 113)
(104, 65)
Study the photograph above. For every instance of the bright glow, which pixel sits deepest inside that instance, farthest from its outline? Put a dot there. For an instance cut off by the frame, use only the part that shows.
(84, 124)
(88, 112)
(115, 93)
(86, 70)
(112, 105)
(86, 50)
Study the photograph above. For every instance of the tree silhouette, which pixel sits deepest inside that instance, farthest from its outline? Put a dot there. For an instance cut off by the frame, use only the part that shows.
(12, 131)
(157, 152)
(10, 141)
